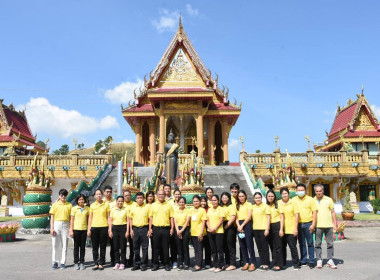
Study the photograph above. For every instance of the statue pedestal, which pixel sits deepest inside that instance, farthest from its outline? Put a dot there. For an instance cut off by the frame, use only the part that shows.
(4, 211)
(355, 208)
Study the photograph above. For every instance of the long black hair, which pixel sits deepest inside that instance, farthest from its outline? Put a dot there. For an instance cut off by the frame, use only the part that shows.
(238, 200)
(275, 198)
(147, 194)
(229, 199)
(81, 195)
(205, 199)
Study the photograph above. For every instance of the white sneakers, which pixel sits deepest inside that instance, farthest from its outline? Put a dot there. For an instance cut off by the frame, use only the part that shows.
(329, 264)
(319, 264)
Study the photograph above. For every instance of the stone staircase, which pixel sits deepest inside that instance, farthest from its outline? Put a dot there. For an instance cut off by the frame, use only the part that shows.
(217, 177)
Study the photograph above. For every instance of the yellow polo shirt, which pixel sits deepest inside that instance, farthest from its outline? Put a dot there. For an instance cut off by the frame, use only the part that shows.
(99, 214)
(119, 216)
(233, 200)
(180, 216)
(197, 217)
(306, 206)
(80, 217)
(61, 211)
(229, 211)
(214, 216)
(288, 210)
(129, 205)
(274, 214)
(112, 203)
(139, 215)
(161, 213)
(324, 217)
(259, 216)
(242, 213)
(209, 203)
(174, 205)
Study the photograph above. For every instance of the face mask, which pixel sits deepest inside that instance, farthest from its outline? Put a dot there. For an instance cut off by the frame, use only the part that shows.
(241, 235)
(301, 193)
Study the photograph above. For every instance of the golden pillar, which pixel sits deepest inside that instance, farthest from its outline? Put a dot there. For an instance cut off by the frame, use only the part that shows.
(211, 141)
(138, 140)
(152, 141)
(162, 127)
(225, 133)
(200, 134)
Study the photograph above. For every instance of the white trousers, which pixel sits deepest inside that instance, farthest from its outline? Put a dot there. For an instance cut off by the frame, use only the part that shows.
(60, 240)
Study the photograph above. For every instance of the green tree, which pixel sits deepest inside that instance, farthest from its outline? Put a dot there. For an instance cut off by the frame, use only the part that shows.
(41, 144)
(64, 150)
(80, 146)
(102, 146)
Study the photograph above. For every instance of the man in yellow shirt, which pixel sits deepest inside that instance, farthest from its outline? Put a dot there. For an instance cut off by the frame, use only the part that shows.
(128, 203)
(173, 246)
(59, 227)
(306, 226)
(234, 190)
(161, 227)
(139, 221)
(326, 224)
(112, 203)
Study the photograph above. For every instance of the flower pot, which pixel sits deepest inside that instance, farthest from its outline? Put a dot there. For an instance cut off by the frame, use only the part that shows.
(348, 216)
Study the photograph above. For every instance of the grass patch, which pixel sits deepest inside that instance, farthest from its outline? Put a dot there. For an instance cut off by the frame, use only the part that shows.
(362, 217)
(10, 218)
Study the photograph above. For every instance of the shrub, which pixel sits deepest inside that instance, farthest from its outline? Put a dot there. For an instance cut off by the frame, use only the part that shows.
(375, 204)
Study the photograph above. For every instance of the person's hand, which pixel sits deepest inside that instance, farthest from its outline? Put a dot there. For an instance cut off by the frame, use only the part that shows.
(171, 232)
(71, 233)
(179, 234)
(131, 233)
(266, 232)
(52, 232)
(334, 228)
(240, 229)
(127, 234)
(295, 232)
(281, 233)
(312, 229)
(200, 237)
(150, 233)
(110, 234)
(89, 232)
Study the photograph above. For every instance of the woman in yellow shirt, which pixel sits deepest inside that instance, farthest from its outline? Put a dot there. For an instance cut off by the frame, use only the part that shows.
(245, 231)
(182, 234)
(98, 229)
(229, 240)
(206, 242)
(118, 231)
(215, 217)
(197, 225)
(261, 225)
(149, 200)
(274, 239)
(78, 230)
(289, 226)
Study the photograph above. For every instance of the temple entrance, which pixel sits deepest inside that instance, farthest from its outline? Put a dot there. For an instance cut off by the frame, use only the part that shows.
(145, 154)
(218, 143)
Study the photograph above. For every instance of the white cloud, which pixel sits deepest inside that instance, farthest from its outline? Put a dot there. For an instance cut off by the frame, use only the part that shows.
(233, 143)
(376, 110)
(127, 141)
(123, 92)
(168, 21)
(192, 12)
(43, 117)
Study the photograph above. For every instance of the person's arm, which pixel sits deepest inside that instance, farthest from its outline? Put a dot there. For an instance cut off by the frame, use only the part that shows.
(335, 225)
(52, 231)
(89, 224)
(110, 221)
(266, 232)
(248, 219)
(312, 227)
(187, 223)
(200, 236)
(179, 232)
(71, 232)
(129, 227)
(208, 224)
(230, 222)
(150, 232)
(171, 226)
(296, 218)
(281, 233)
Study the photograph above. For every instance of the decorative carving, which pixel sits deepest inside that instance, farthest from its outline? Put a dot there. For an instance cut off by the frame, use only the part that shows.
(363, 122)
(180, 69)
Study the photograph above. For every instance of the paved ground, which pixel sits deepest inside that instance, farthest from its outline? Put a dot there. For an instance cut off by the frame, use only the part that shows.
(30, 258)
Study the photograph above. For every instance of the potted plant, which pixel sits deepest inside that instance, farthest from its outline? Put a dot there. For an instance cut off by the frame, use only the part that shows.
(347, 213)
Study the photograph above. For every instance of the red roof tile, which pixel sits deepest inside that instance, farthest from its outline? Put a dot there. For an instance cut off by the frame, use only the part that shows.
(31, 144)
(142, 108)
(358, 133)
(20, 124)
(343, 119)
(6, 138)
(183, 89)
(221, 106)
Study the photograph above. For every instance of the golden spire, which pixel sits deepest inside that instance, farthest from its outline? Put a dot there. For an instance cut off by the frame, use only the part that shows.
(180, 27)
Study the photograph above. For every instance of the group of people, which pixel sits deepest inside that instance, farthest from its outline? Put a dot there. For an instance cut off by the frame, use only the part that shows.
(211, 225)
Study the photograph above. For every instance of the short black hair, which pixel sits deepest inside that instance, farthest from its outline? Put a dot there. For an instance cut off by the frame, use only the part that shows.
(63, 192)
(284, 189)
(147, 194)
(108, 188)
(167, 185)
(140, 194)
(301, 185)
(257, 193)
(119, 196)
(182, 198)
(196, 197)
(81, 195)
(229, 199)
(98, 190)
(126, 191)
(235, 186)
(209, 188)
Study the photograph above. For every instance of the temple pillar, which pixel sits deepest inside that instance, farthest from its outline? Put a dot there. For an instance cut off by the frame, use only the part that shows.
(211, 141)
(138, 140)
(152, 141)
(200, 134)
(225, 134)
(181, 133)
(162, 127)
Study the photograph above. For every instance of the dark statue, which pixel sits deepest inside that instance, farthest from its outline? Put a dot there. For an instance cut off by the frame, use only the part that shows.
(171, 160)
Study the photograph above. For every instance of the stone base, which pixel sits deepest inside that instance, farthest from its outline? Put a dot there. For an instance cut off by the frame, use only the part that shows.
(33, 231)
(4, 211)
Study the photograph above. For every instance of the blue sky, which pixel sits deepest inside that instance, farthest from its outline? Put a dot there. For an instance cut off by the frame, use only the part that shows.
(72, 63)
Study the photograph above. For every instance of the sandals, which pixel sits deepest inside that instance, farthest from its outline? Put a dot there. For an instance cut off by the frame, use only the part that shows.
(276, 268)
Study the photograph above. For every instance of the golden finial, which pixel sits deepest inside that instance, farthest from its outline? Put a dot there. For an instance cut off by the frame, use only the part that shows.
(362, 89)
(362, 139)
(307, 138)
(276, 140)
(241, 138)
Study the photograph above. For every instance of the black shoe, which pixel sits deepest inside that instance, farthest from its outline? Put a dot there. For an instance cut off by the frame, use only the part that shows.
(135, 268)
(180, 267)
(296, 267)
(112, 263)
(155, 268)
(101, 267)
(130, 263)
(311, 265)
(186, 267)
(95, 267)
(144, 268)
(168, 268)
(196, 269)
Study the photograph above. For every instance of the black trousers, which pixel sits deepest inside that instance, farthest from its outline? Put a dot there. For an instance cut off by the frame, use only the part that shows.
(198, 250)
(229, 245)
(290, 240)
(161, 241)
(118, 242)
(183, 247)
(216, 244)
(173, 248)
(207, 248)
(275, 244)
(262, 246)
(80, 237)
(99, 237)
(140, 239)
(130, 242)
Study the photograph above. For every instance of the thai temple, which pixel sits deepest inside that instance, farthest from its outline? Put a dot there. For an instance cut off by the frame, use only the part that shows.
(181, 96)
